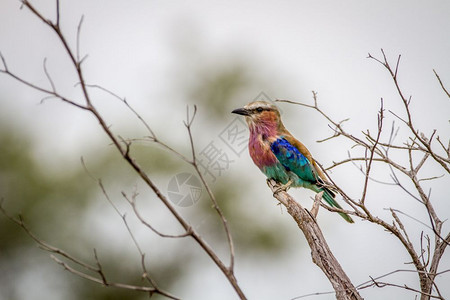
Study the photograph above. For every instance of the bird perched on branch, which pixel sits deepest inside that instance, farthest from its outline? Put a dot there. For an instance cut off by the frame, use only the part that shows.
(279, 155)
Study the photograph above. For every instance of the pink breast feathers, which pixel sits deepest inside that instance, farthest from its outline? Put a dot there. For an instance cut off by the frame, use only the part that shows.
(260, 151)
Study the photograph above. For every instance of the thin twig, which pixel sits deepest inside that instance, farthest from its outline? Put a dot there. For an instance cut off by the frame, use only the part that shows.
(132, 202)
(48, 75)
(188, 124)
(78, 38)
(372, 152)
(440, 82)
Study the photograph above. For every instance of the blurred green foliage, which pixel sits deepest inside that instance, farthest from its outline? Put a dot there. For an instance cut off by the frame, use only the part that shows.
(216, 88)
(53, 207)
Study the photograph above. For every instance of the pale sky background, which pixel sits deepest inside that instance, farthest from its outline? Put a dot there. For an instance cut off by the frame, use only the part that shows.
(145, 50)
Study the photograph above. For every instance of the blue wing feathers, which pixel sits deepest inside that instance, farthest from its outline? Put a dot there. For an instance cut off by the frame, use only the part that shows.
(291, 158)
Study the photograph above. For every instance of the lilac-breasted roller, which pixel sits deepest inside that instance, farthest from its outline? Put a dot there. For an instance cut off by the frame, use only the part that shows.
(279, 155)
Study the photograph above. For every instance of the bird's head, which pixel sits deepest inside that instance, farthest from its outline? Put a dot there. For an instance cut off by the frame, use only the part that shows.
(260, 114)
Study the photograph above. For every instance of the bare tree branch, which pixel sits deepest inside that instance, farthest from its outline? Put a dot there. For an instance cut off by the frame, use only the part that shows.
(320, 252)
(97, 269)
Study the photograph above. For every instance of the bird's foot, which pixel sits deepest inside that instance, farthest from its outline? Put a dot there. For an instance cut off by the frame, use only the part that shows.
(284, 187)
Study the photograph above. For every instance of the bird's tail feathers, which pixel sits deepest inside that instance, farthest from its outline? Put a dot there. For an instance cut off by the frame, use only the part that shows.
(328, 196)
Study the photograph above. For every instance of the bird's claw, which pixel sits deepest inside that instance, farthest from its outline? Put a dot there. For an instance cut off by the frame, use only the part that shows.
(283, 188)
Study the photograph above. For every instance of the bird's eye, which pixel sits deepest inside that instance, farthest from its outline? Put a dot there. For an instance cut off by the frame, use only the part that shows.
(259, 109)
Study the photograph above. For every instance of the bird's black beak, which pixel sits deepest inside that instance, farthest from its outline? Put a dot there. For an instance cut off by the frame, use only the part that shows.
(241, 111)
